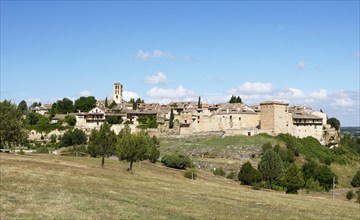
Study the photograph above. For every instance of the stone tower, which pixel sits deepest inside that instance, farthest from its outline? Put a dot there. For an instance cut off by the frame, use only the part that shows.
(118, 89)
(274, 116)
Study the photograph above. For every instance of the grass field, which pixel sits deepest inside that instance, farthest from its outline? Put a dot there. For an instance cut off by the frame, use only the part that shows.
(55, 187)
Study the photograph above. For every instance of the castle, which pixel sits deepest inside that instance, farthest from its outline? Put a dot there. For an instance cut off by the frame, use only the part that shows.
(270, 117)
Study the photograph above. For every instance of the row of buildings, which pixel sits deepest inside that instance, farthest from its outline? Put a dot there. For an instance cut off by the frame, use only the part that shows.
(271, 117)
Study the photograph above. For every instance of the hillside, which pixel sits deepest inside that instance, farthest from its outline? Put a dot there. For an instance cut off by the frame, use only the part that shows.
(48, 187)
(229, 153)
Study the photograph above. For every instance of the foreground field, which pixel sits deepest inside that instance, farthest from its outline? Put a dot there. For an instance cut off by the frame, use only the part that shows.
(49, 187)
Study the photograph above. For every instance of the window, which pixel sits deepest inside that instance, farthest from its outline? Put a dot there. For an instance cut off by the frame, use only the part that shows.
(239, 118)
(185, 121)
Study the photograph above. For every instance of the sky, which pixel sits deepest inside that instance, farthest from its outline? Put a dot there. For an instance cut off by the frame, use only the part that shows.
(300, 52)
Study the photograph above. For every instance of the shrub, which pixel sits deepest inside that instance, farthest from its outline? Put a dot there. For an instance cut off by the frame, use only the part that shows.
(77, 150)
(266, 147)
(75, 137)
(327, 161)
(42, 150)
(232, 175)
(313, 185)
(249, 175)
(293, 179)
(358, 196)
(356, 180)
(177, 161)
(350, 195)
(190, 174)
(70, 120)
(219, 172)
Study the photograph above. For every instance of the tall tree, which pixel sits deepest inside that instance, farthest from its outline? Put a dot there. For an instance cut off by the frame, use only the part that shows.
(102, 142)
(85, 104)
(64, 106)
(133, 147)
(22, 106)
(199, 102)
(171, 121)
(11, 124)
(270, 166)
(248, 175)
(293, 179)
(106, 103)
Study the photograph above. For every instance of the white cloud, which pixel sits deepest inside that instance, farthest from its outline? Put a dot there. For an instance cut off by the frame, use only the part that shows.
(301, 64)
(343, 102)
(32, 100)
(256, 87)
(167, 95)
(157, 79)
(85, 93)
(154, 54)
(127, 95)
(321, 94)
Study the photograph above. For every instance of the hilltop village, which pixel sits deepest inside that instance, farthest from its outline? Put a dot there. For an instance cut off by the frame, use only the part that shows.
(195, 118)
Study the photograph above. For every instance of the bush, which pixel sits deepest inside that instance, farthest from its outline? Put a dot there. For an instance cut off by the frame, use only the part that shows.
(190, 174)
(75, 137)
(219, 172)
(350, 195)
(356, 180)
(42, 150)
(266, 147)
(249, 175)
(313, 185)
(79, 150)
(177, 161)
(232, 175)
(70, 120)
(327, 161)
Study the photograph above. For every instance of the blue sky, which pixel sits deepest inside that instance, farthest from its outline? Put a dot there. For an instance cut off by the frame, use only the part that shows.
(305, 53)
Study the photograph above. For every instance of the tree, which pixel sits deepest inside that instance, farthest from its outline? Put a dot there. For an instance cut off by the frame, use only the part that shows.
(248, 175)
(293, 179)
(153, 149)
(266, 147)
(355, 182)
(102, 142)
(11, 124)
(270, 166)
(106, 103)
(235, 99)
(22, 106)
(74, 137)
(63, 106)
(334, 122)
(32, 118)
(85, 104)
(70, 120)
(199, 102)
(132, 147)
(35, 104)
(112, 104)
(171, 121)
(321, 173)
(114, 119)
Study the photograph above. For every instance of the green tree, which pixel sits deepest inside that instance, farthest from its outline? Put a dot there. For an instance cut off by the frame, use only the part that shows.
(102, 142)
(248, 175)
(266, 147)
(114, 119)
(106, 103)
(171, 121)
(293, 179)
(22, 106)
(325, 177)
(199, 102)
(112, 104)
(270, 166)
(355, 182)
(235, 99)
(70, 120)
(32, 118)
(85, 104)
(11, 124)
(63, 106)
(153, 149)
(74, 137)
(132, 147)
(334, 122)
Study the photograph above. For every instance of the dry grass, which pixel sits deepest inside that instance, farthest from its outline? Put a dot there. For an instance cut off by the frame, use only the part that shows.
(54, 187)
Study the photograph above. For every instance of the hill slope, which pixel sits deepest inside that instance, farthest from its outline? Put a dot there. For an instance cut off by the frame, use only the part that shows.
(47, 187)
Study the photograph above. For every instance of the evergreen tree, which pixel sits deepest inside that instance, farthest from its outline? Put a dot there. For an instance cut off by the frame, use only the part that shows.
(106, 103)
(293, 179)
(199, 102)
(249, 175)
(355, 182)
(102, 142)
(85, 104)
(22, 106)
(270, 166)
(171, 121)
